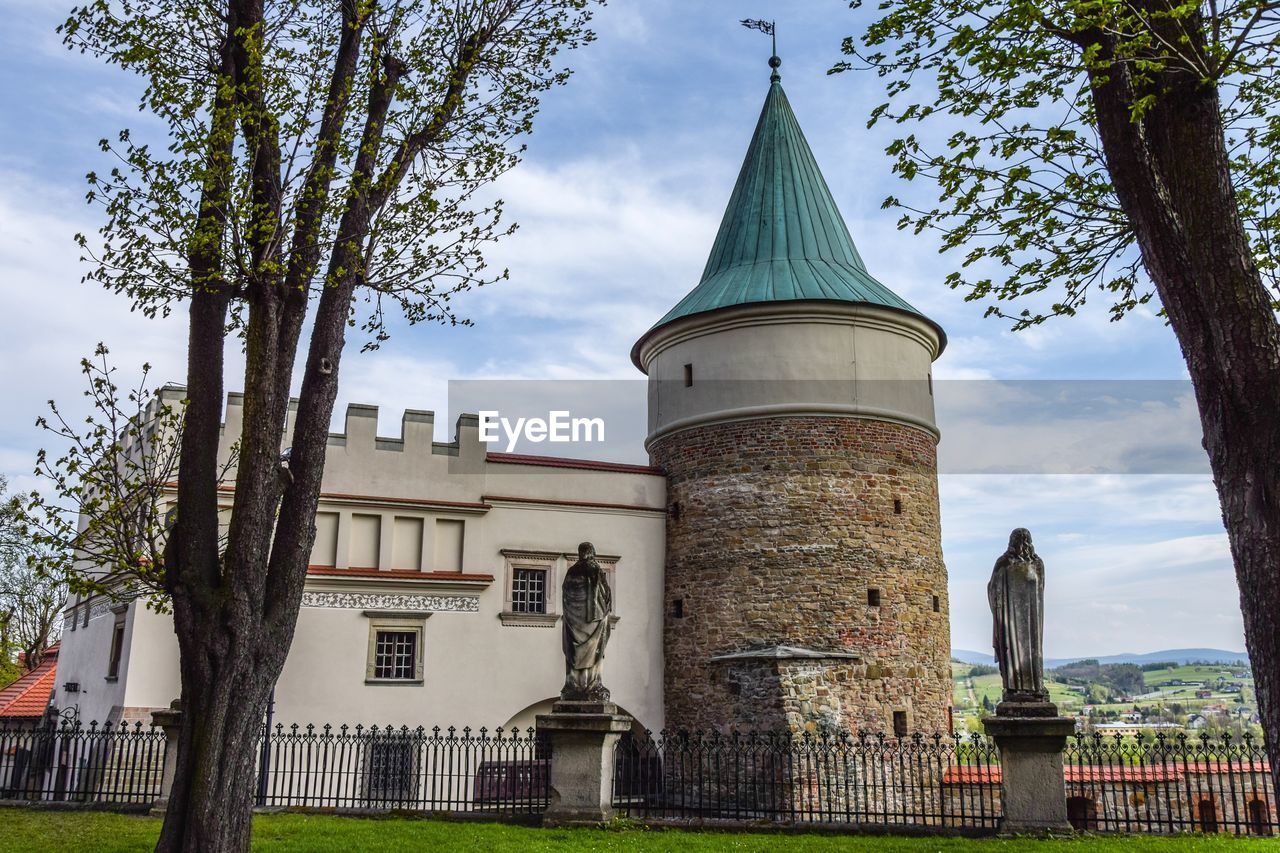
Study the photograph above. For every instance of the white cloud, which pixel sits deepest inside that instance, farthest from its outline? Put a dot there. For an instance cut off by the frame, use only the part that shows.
(1133, 563)
(619, 200)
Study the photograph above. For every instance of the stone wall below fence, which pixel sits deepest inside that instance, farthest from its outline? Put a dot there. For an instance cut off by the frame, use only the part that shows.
(1162, 798)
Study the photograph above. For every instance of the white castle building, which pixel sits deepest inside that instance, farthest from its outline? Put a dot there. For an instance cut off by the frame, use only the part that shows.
(431, 594)
(431, 597)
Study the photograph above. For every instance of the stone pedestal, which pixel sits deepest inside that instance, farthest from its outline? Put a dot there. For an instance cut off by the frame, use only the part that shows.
(170, 720)
(1032, 789)
(582, 736)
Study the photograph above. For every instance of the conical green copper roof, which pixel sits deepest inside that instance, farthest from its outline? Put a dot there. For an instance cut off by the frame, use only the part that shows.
(782, 237)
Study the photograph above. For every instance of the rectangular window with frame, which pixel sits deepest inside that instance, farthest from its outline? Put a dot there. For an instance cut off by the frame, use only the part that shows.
(530, 588)
(529, 591)
(395, 655)
(117, 650)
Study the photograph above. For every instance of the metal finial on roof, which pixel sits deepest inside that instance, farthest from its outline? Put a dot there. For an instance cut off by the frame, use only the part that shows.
(768, 28)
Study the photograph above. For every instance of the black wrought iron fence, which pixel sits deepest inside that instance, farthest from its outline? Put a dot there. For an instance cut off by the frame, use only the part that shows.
(69, 762)
(1169, 783)
(442, 770)
(922, 781)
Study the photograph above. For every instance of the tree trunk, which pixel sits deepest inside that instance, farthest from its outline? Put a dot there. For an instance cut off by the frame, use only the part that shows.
(224, 691)
(1172, 176)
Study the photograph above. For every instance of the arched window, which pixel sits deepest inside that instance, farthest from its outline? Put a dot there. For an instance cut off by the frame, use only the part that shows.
(1082, 813)
(1207, 815)
(1259, 819)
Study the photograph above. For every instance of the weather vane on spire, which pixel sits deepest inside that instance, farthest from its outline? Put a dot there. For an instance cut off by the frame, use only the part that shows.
(767, 27)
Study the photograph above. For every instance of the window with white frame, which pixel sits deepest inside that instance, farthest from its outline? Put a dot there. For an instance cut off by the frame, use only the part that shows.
(528, 590)
(395, 654)
(395, 647)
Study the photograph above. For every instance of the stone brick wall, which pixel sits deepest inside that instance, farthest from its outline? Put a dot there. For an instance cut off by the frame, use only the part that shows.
(778, 530)
(1170, 801)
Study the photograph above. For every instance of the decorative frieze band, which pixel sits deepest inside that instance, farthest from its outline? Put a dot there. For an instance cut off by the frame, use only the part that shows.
(76, 614)
(392, 601)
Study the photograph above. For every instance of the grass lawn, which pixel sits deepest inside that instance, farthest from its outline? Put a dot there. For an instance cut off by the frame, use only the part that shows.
(32, 831)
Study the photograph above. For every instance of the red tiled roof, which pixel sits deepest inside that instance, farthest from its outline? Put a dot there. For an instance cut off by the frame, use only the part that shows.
(1154, 773)
(29, 695)
(965, 775)
(408, 574)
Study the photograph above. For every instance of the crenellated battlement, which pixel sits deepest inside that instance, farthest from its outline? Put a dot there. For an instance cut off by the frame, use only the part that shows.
(417, 433)
(359, 436)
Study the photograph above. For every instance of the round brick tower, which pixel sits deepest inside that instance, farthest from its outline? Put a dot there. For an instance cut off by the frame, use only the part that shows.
(791, 405)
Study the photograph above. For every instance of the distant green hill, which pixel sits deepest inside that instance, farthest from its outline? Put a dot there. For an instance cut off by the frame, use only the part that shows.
(1180, 656)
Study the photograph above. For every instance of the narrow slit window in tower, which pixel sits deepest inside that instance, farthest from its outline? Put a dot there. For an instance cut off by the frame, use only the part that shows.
(688, 376)
(873, 597)
(899, 723)
(937, 604)
(897, 506)
(677, 608)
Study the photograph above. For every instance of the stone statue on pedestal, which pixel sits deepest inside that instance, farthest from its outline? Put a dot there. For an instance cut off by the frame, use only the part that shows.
(1016, 594)
(1026, 727)
(584, 727)
(586, 603)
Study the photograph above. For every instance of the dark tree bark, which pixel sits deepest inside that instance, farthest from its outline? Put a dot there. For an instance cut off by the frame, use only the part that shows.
(1172, 175)
(235, 610)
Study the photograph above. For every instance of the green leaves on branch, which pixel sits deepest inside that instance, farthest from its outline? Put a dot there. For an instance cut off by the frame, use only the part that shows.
(101, 526)
(437, 148)
(1000, 99)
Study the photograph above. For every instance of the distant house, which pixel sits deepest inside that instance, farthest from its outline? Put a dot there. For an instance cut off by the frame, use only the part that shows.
(1195, 722)
(25, 700)
(1132, 727)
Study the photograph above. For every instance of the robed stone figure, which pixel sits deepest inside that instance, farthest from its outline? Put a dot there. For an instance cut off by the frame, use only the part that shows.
(586, 603)
(1016, 594)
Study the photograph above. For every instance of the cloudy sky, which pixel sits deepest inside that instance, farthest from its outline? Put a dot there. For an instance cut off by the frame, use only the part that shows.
(618, 200)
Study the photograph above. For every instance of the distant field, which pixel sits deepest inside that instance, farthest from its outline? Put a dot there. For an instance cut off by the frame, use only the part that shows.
(1196, 673)
(989, 686)
(1070, 701)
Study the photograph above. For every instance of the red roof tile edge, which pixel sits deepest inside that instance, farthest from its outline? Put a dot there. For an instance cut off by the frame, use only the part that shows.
(962, 775)
(405, 574)
(28, 697)
(583, 464)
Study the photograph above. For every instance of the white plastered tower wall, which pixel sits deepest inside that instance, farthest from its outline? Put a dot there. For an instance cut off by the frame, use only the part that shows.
(800, 358)
(467, 515)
